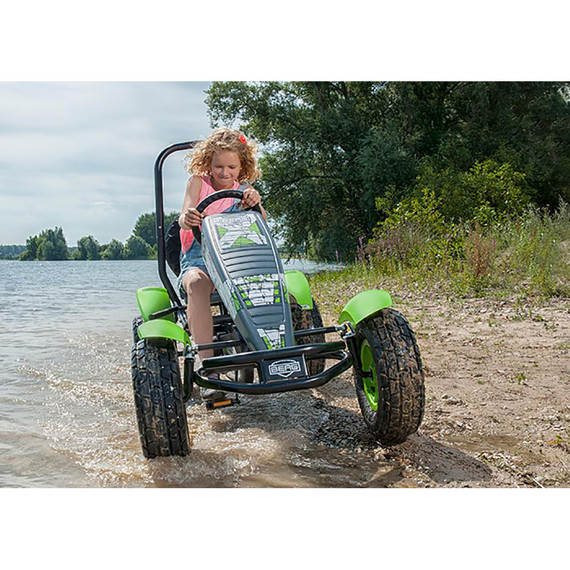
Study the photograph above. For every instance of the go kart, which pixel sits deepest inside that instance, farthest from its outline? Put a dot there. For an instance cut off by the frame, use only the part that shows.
(268, 335)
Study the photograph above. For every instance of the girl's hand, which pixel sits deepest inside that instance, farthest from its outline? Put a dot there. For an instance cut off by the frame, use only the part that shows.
(250, 198)
(191, 218)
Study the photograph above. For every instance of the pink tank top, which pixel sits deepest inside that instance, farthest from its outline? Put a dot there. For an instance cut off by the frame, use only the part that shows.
(186, 236)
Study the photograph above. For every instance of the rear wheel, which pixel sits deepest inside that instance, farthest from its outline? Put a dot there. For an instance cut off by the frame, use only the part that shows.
(157, 386)
(137, 322)
(304, 319)
(391, 391)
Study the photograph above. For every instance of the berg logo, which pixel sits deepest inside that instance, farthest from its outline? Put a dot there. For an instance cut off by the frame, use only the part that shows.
(284, 368)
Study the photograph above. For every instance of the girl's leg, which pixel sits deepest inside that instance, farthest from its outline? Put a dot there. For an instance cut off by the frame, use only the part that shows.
(199, 287)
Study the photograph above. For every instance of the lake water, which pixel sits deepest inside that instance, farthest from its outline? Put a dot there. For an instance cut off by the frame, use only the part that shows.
(67, 416)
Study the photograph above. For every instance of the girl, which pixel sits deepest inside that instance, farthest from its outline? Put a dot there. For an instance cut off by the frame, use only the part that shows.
(221, 162)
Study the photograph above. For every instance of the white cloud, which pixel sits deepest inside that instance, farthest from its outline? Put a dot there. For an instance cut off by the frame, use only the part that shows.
(81, 155)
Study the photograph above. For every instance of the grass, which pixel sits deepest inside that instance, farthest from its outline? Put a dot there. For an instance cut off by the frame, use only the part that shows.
(527, 257)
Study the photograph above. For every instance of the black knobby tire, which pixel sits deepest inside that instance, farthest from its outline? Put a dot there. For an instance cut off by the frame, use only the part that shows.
(161, 414)
(304, 319)
(137, 322)
(387, 347)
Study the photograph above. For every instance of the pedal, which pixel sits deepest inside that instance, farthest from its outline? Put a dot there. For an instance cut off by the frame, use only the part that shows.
(223, 403)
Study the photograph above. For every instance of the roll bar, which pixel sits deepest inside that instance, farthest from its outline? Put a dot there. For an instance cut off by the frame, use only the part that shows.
(159, 206)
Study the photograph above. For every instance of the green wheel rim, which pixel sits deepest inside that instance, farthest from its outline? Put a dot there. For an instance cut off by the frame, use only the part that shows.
(369, 382)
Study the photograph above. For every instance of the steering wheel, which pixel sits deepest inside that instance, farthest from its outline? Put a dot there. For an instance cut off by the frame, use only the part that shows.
(214, 197)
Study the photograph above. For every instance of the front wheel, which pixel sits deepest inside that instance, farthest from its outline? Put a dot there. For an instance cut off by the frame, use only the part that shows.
(390, 385)
(161, 414)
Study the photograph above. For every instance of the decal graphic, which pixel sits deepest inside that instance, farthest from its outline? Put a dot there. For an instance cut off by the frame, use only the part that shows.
(273, 338)
(240, 231)
(259, 290)
(228, 296)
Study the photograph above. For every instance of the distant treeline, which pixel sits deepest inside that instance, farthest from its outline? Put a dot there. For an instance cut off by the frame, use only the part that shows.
(51, 244)
(11, 251)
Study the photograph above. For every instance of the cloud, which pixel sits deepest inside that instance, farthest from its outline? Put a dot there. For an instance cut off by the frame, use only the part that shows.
(81, 155)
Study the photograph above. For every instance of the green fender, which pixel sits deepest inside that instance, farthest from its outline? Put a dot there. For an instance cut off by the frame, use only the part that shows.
(153, 299)
(159, 328)
(298, 286)
(365, 304)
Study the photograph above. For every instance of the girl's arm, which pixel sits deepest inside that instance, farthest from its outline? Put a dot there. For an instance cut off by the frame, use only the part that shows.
(189, 216)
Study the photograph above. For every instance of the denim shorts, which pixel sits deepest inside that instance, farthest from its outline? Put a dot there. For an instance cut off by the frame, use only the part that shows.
(193, 257)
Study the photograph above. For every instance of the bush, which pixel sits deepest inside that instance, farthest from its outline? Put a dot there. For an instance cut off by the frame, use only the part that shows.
(536, 250)
(526, 254)
(488, 192)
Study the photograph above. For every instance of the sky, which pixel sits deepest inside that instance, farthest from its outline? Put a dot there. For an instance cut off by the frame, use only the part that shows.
(80, 155)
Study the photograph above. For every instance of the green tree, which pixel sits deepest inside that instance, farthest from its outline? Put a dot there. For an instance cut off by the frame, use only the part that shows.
(11, 251)
(88, 249)
(48, 245)
(113, 250)
(312, 136)
(525, 124)
(145, 226)
(46, 250)
(136, 248)
(31, 252)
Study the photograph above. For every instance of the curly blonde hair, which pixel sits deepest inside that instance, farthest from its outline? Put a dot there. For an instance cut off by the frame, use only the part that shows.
(199, 160)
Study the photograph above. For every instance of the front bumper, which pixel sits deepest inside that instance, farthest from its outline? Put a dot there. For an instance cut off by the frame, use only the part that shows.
(261, 361)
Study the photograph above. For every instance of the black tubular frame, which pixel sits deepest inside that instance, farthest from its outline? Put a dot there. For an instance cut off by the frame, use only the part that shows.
(335, 350)
(159, 201)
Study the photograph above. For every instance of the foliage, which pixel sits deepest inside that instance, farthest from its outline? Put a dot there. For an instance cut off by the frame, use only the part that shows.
(145, 226)
(332, 149)
(112, 250)
(11, 251)
(407, 168)
(488, 190)
(424, 211)
(311, 135)
(527, 254)
(87, 249)
(440, 221)
(499, 192)
(537, 250)
(48, 245)
(136, 248)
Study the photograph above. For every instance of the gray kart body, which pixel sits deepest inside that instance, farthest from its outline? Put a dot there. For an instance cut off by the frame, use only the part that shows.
(244, 265)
